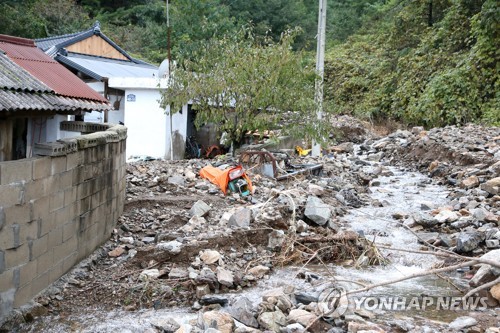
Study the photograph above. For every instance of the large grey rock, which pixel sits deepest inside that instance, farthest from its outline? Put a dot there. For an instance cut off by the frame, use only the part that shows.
(272, 321)
(241, 218)
(317, 211)
(242, 311)
(462, 322)
(225, 277)
(469, 241)
(200, 208)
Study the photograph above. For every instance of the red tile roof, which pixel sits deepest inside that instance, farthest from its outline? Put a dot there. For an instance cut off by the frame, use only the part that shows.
(24, 53)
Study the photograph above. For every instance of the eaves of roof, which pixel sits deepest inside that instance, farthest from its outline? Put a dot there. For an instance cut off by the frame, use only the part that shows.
(69, 63)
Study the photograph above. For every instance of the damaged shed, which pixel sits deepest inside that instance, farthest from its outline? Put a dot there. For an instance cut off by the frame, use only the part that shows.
(36, 95)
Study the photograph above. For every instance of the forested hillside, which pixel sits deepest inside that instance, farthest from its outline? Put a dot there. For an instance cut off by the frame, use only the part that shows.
(429, 62)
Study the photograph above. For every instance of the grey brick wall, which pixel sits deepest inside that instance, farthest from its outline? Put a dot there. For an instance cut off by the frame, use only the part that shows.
(56, 210)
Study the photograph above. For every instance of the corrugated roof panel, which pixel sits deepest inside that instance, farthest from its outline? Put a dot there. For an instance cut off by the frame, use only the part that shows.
(49, 71)
(19, 100)
(14, 77)
(109, 68)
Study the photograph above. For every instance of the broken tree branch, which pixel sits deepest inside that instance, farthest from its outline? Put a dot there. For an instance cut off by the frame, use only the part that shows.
(482, 287)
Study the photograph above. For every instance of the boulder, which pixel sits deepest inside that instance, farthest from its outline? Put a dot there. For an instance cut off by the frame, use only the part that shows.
(225, 277)
(272, 321)
(200, 208)
(469, 241)
(220, 320)
(317, 211)
(241, 218)
(242, 311)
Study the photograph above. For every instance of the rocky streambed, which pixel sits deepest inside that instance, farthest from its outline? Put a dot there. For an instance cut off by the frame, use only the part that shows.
(185, 258)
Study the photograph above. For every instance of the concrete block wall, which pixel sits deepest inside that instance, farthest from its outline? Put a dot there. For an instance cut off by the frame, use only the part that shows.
(56, 210)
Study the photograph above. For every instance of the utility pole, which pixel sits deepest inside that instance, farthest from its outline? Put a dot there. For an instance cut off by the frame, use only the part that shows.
(320, 69)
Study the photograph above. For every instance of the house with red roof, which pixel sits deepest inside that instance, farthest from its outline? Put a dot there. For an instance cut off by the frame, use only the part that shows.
(131, 85)
(36, 94)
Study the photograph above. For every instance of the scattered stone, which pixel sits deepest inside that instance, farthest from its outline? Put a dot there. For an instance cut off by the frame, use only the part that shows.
(492, 243)
(446, 216)
(116, 252)
(178, 273)
(495, 291)
(295, 328)
(149, 274)
(241, 218)
(173, 247)
(210, 256)
(470, 182)
(317, 211)
(302, 317)
(462, 322)
(259, 271)
(200, 208)
(272, 321)
(225, 277)
(424, 219)
(276, 239)
(242, 311)
(219, 320)
(166, 325)
(469, 241)
(202, 290)
(177, 180)
(492, 186)
(315, 190)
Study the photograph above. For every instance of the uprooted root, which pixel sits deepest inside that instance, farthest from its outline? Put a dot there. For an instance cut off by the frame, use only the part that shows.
(329, 248)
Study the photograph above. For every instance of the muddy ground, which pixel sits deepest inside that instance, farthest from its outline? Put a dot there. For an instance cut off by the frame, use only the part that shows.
(163, 254)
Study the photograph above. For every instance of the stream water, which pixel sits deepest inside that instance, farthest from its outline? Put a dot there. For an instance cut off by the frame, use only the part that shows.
(403, 192)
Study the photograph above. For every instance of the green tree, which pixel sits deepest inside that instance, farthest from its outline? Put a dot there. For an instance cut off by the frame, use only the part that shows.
(241, 85)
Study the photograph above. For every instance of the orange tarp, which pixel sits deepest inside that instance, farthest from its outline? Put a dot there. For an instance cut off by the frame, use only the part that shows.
(221, 177)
